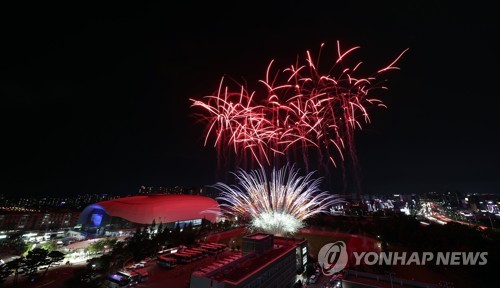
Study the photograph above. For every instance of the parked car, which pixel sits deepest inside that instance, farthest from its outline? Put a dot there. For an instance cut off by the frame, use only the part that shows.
(89, 277)
(138, 265)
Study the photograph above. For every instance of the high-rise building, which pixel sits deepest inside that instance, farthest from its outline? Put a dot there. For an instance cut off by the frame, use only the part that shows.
(13, 220)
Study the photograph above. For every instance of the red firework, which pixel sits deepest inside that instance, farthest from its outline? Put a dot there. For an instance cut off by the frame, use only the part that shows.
(302, 109)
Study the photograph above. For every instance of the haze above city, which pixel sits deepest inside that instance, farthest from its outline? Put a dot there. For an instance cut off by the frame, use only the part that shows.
(96, 98)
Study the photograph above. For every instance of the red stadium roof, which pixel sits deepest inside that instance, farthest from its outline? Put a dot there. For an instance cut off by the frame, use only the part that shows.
(162, 208)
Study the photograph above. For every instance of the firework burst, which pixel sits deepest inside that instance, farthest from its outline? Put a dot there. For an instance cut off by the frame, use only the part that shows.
(303, 108)
(278, 205)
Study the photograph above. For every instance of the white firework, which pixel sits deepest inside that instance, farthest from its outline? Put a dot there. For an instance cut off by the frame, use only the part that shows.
(278, 206)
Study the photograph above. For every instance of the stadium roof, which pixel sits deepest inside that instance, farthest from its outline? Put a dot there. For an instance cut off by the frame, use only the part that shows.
(160, 207)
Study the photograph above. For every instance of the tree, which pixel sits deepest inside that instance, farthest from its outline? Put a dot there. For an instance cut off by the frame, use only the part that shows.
(175, 236)
(109, 243)
(101, 264)
(164, 238)
(137, 232)
(102, 245)
(17, 265)
(152, 228)
(227, 224)
(160, 228)
(206, 226)
(96, 247)
(187, 236)
(49, 245)
(35, 258)
(53, 257)
(5, 272)
(17, 243)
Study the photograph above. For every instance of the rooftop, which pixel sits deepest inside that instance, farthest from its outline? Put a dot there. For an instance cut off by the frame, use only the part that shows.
(254, 264)
(258, 236)
(238, 267)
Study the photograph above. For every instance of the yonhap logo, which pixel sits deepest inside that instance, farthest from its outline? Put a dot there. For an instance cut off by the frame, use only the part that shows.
(332, 257)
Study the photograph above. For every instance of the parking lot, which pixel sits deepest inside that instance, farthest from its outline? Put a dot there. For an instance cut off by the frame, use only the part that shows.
(323, 281)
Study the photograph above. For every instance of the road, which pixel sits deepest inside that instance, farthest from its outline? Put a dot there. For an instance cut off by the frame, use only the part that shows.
(55, 278)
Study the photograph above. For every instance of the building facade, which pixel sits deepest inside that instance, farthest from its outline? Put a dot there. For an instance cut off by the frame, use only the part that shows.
(11, 220)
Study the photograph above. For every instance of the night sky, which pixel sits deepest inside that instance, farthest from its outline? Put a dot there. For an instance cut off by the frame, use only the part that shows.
(95, 99)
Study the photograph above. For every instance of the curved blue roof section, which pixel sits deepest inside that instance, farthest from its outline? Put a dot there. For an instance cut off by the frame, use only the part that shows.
(88, 215)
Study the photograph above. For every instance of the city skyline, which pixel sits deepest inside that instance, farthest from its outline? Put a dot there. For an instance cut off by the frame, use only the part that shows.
(97, 99)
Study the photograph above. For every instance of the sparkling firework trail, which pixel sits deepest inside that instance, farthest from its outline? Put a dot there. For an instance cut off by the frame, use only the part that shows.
(302, 109)
(278, 206)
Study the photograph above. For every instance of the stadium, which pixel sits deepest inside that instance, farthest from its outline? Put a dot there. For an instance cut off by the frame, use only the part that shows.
(131, 212)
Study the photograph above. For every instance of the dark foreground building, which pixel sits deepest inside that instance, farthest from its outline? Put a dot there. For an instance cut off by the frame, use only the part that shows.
(131, 212)
(265, 261)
